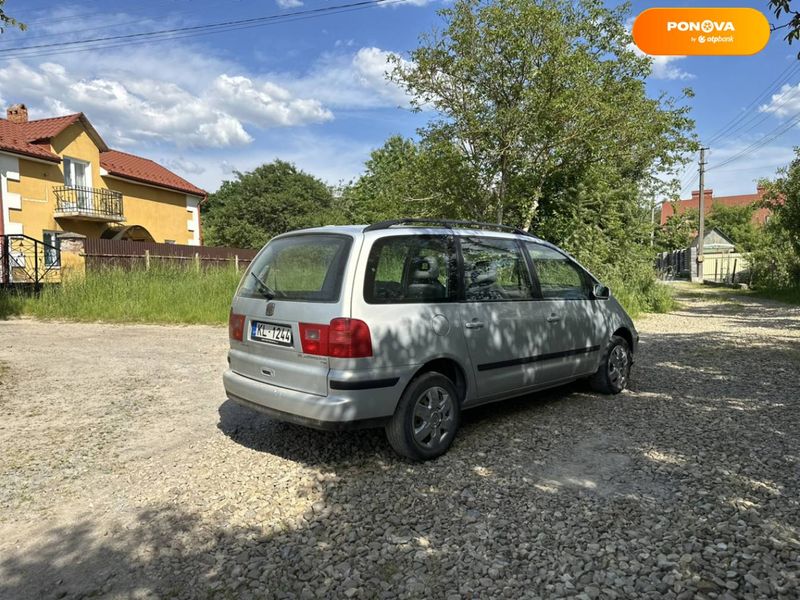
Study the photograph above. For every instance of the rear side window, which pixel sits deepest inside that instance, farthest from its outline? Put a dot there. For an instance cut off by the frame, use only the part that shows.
(305, 268)
(494, 269)
(558, 276)
(411, 269)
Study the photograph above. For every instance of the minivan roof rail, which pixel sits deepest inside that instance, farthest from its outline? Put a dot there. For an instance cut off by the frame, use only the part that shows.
(447, 223)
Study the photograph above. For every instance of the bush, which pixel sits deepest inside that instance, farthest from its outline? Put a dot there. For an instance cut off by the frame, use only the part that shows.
(638, 290)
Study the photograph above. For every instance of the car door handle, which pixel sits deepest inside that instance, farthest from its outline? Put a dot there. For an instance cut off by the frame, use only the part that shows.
(473, 324)
(553, 318)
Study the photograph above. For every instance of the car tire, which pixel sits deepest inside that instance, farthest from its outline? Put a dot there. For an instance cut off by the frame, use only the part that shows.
(613, 374)
(426, 419)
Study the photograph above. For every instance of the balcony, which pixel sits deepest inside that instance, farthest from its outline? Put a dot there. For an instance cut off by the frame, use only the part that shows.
(88, 204)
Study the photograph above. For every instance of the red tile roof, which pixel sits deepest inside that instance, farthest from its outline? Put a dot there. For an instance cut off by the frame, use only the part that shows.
(129, 166)
(13, 139)
(32, 139)
(759, 216)
(46, 129)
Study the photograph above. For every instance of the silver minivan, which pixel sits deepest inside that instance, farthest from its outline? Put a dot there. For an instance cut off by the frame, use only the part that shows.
(403, 324)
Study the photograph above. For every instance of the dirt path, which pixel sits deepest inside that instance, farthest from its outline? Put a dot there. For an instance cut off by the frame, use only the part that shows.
(126, 473)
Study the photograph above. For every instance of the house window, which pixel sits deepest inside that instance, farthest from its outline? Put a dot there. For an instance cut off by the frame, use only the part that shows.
(76, 172)
(52, 255)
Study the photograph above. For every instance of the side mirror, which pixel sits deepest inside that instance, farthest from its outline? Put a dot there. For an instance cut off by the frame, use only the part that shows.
(601, 292)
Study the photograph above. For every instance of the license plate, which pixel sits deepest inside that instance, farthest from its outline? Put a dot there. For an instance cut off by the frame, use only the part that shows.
(271, 333)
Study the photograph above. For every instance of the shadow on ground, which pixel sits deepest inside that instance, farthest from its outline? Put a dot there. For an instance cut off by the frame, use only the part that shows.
(662, 490)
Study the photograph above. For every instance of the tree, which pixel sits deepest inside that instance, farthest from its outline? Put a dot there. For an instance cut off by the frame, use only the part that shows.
(792, 26)
(783, 197)
(405, 179)
(736, 222)
(678, 230)
(7, 21)
(528, 90)
(272, 199)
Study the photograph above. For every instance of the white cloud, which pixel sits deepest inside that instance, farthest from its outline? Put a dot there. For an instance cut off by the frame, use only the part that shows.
(129, 106)
(183, 166)
(664, 69)
(351, 80)
(786, 102)
(265, 102)
(289, 3)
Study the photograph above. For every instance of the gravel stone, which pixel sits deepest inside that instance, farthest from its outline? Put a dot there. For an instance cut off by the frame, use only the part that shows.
(126, 473)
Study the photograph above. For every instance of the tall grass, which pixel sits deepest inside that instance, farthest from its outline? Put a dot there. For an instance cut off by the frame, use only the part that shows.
(643, 294)
(163, 294)
(167, 294)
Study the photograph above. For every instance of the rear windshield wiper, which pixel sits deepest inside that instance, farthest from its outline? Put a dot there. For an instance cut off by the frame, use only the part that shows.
(263, 288)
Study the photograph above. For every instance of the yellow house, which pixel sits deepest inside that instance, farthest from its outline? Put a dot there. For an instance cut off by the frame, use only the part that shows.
(58, 175)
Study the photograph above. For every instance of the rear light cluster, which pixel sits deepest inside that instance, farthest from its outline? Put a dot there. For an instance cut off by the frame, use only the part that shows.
(341, 338)
(236, 327)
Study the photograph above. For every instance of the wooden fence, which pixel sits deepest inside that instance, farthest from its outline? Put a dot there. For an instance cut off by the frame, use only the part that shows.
(129, 255)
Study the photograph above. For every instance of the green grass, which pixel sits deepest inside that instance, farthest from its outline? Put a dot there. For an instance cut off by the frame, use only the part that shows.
(788, 295)
(160, 295)
(643, 296)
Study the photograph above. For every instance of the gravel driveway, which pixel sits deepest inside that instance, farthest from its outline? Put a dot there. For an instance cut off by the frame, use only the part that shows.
(126, 473)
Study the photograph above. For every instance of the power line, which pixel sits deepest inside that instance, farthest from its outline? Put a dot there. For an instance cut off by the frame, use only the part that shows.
(744, 115)
(106, 26)
(182, 32)
(761, 142)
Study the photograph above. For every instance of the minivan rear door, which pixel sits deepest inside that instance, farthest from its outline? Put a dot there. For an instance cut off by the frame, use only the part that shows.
(495, 316)
(297, 279)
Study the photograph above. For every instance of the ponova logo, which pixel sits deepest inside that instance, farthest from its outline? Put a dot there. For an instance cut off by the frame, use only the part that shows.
(701, 31)
(706, 26)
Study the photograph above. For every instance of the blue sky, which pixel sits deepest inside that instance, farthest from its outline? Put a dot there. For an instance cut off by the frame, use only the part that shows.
(312, 91)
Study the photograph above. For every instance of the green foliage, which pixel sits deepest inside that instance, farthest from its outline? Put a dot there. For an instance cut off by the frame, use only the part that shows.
(528, 90)
(405, 179)
(775, 259)
(7, 21)
(735, 222)
(272, 199)
(792, 26)
(161, 295)
(678, 230)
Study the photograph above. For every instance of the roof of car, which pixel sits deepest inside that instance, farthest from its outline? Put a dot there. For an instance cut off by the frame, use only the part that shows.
(354, 230)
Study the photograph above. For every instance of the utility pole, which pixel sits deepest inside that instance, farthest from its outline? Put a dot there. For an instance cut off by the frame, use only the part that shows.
(701, 228)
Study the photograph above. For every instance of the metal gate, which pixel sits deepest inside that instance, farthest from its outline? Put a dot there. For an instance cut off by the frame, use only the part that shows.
(26, 261)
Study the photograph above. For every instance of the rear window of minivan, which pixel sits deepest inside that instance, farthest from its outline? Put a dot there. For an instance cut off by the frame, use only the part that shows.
(303, 267)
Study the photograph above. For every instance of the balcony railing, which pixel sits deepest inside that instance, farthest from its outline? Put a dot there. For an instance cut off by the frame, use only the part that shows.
(96, 204)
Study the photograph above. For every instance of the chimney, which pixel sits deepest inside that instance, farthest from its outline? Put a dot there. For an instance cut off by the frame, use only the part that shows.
(18, 113)
(708, 193)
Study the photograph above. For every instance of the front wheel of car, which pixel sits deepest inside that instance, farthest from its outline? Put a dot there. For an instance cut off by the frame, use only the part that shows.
(614, 372)
(426, 419)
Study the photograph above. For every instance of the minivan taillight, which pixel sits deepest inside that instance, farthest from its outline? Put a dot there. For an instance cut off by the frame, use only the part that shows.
(236, 327)
(341, 338)
(349, 338)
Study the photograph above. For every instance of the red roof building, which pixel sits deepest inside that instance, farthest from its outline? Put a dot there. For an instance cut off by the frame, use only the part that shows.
(58, 175)
(680, 206)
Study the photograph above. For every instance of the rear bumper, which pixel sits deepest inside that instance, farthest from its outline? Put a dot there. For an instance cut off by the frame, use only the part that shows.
(340, 410)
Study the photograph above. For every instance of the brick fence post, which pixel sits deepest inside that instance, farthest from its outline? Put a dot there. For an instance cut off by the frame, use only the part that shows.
(73, 255)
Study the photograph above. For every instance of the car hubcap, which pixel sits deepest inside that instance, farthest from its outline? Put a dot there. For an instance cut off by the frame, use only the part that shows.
(433, 418)
(618, 367)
